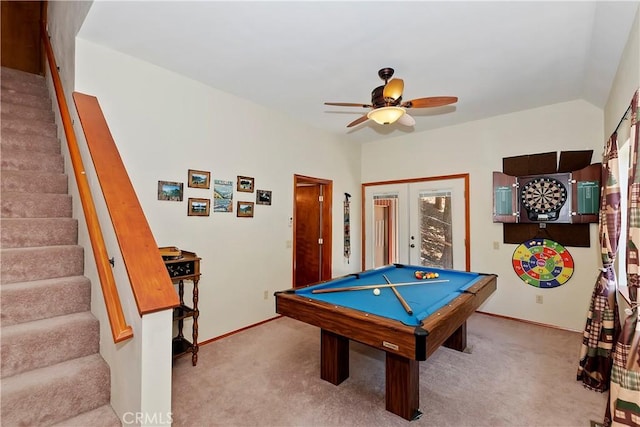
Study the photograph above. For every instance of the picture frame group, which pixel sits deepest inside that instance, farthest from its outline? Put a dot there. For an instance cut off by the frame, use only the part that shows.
(222, 194)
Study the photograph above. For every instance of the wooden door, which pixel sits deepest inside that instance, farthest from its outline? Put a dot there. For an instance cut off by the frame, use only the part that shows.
(21, 47)
(312, 230)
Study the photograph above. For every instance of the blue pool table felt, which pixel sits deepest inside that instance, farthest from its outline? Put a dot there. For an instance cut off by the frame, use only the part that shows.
(424, 299)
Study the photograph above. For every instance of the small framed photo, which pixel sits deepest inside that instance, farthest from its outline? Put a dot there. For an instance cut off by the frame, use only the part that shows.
(245, 184)
(171, 191)
(245, 209)
(263, 197)
(199, 179)
(198, 207)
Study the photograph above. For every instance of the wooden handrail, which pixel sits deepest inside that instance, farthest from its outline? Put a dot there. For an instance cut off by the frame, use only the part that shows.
(119, 328)
(152, 287)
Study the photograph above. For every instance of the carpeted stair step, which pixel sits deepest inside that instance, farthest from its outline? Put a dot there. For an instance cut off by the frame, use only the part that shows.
(40, 299)
(103, 416)
(50, 395)
(22, 82)
(46, 262)
(26, 181)
(32, 232)
(41, 343)
(25, 205)
(23, 160)
(51, 369)
(13, 139)
(18, 111)
(25, 126)
(20, 98)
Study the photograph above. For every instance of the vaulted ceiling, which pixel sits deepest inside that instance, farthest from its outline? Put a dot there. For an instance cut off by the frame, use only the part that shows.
(497, 57)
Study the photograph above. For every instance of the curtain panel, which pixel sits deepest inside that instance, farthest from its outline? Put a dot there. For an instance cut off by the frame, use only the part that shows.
(624, 393)
(603, 324)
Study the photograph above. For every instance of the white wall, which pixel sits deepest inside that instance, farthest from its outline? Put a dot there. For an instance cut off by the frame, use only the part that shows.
(165, 124)
(626, 82)
(477, 148)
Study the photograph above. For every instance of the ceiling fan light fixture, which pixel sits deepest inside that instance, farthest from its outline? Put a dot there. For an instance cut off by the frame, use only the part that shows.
(386, 115)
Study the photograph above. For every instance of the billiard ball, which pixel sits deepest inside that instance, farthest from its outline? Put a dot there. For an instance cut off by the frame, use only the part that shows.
(376, 291)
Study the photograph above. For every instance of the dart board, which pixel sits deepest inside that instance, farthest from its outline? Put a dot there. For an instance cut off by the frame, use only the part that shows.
(542, 263)
(542, 198)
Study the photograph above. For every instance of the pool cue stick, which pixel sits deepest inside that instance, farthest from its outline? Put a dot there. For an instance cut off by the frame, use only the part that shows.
(365, 287)
(406, 306)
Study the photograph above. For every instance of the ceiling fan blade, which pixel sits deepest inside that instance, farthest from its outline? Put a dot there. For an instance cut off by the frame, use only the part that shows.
(406, 120)
(393, 89)
(348, 104)
(357, 121)
(433, 101)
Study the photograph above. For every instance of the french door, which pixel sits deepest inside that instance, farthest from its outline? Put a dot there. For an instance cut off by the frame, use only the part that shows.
(417, 222)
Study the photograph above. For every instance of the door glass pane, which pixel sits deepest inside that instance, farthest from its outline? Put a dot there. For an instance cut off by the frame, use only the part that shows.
(385, 229)
(436, 248)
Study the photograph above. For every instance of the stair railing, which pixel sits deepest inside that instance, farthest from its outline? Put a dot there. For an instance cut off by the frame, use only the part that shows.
(120, 330)
(151, 285)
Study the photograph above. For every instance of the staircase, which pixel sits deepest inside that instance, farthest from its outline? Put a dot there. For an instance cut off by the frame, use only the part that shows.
(51, 369)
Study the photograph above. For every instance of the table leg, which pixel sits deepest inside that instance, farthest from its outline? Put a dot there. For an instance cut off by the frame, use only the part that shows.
(458, 339)
(334, 357)
(196, 314)
(402, 386)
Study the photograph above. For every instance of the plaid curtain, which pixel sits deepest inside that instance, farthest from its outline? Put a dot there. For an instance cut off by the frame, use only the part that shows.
(624, 394)
(603, 325)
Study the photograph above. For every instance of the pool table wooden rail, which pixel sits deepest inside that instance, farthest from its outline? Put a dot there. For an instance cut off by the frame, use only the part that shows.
(416, 343)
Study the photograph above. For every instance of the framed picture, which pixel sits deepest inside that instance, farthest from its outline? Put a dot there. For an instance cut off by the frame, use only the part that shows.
(245, 209)
(171, 191)
(263, 197)
(222, 196)
(199, 179)
(198, 207)
(245, 184)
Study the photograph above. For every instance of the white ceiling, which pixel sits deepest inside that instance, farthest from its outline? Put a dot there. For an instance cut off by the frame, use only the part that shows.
(497, 57)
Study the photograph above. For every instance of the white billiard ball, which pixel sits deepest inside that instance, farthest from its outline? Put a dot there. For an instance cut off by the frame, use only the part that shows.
(376, 291)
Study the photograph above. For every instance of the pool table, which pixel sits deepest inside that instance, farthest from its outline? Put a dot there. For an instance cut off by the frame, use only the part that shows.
(434, 313)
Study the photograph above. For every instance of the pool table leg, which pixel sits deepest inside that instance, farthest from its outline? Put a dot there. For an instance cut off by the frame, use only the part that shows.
(334, 357)
(402, 386)
(458, 339)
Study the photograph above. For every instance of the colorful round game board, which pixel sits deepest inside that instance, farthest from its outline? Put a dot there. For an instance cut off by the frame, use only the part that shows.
(542, 198)
(543, 263)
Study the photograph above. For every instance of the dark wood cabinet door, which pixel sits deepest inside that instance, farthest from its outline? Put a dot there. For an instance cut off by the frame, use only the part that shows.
(21, 47)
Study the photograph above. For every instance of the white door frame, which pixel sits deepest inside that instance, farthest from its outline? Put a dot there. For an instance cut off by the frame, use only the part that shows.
(393, 187)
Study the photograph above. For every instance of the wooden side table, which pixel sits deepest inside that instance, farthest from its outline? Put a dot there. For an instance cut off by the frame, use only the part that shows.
(185, 266)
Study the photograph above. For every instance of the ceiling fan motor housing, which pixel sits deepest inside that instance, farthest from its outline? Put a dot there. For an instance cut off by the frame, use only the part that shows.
(378, 100)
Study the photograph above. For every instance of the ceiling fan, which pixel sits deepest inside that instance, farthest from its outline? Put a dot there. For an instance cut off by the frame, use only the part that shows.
(386, 102)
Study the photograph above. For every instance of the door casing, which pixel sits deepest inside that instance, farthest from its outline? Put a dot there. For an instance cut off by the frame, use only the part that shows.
(467, 216)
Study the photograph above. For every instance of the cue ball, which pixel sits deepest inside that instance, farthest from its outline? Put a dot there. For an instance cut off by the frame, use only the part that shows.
(376, 291)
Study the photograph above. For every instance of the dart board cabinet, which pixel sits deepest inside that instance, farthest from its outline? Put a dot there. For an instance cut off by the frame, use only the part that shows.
(564, 198)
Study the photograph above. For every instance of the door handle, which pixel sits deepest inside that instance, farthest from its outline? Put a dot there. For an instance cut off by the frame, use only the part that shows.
(412, 245)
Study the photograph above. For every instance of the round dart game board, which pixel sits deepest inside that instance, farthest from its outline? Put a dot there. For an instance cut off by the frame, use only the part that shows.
(542, 263)
(543, 197)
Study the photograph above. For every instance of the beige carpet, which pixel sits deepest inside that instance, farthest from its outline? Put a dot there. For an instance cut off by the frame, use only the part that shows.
(516, 375)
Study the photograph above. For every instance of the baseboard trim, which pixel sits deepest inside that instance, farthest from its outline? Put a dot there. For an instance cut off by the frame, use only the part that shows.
(530, 322)
(237, 331)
